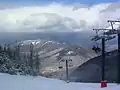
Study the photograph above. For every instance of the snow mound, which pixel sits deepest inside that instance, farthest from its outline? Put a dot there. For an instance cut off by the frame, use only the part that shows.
(12, 82)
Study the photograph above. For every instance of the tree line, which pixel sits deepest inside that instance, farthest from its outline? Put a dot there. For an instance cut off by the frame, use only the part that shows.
(15, 61)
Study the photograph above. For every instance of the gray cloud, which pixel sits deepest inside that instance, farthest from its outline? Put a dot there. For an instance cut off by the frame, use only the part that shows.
(112, 7)
(57, 17)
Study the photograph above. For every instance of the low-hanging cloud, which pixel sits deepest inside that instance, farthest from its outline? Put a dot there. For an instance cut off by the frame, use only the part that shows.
(57, 17)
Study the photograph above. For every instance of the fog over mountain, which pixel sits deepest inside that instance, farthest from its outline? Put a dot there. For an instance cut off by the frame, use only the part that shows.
(63, 37)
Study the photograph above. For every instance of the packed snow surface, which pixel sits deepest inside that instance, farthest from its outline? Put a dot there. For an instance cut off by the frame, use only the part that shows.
(17, 82)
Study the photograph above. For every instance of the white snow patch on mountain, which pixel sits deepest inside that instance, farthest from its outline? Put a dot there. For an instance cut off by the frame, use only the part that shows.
(38, 41)
(70, 52)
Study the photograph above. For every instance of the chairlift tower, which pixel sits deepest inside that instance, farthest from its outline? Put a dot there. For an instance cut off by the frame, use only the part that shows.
(112, 32)
(67, 66)
(104, 38)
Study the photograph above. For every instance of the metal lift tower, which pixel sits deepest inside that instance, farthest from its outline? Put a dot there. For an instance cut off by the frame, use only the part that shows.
(112, 32)
(104, 38)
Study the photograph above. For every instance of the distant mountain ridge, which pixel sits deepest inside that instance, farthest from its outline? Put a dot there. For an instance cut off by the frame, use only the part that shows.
(51, 53)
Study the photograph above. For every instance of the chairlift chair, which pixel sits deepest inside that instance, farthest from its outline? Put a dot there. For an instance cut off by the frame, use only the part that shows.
(60, 66)
(96, 47)
(70, 64)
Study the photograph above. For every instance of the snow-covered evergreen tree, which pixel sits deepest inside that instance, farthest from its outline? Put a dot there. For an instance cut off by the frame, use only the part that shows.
(13, 63)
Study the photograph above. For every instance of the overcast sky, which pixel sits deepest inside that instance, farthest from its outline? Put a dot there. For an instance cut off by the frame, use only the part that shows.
(56, 15)
(30, 2)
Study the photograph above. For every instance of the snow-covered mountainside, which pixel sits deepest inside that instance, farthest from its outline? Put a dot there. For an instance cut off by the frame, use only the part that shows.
(111, 47)
(51, 53)
(91, 70)
(13, 82)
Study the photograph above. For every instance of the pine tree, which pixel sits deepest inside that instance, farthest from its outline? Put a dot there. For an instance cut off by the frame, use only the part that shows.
(6, 64)
(18, 52)
(14, 54)
(9, 51)
(5, 48)
(1, 48)
(31, 56)
(37, 63)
